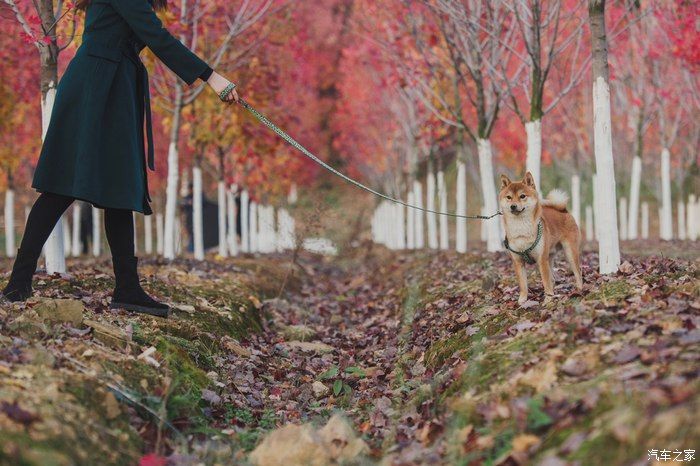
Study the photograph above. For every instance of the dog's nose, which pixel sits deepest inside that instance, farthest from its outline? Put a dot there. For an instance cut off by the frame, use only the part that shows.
(513, 207)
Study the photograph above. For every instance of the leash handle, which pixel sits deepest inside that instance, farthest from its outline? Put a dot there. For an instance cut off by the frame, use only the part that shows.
(265, 121)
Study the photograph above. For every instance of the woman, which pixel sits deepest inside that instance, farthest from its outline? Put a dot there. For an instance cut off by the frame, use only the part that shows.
(94, 145)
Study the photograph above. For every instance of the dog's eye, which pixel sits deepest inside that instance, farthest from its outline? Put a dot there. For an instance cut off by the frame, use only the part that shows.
(522, 196)
(509, 198)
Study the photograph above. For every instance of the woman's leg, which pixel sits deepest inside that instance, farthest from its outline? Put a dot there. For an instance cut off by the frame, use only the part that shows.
(128, 294)
(46, 211)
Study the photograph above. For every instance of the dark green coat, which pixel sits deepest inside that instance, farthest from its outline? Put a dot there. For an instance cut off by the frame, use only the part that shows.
(94, 147)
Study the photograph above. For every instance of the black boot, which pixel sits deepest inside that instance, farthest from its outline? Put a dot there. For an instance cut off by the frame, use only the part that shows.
(19, 288)
(128, 293)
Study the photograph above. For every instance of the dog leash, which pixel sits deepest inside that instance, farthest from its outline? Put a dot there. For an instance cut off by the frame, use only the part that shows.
(265, 121)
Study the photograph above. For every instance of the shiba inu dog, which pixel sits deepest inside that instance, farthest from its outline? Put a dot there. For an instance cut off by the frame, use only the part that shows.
(534, 227)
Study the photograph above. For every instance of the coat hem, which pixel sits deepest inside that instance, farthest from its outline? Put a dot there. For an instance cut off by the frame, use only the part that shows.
(97, 204)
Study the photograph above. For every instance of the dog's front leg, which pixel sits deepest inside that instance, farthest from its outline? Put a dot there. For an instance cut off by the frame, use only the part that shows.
(522, 280)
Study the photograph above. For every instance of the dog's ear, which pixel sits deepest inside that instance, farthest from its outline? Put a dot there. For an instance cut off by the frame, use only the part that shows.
(505, 181)
(529, 180)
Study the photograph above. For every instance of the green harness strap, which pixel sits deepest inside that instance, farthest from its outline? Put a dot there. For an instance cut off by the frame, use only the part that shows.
(526, 253)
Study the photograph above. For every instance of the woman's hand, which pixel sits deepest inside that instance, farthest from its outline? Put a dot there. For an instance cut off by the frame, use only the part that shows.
(218, 83)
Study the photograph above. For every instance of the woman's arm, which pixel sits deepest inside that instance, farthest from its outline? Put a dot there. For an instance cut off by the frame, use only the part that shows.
(139, 15)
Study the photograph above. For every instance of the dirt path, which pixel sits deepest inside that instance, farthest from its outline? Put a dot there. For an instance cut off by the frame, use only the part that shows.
(428, 355)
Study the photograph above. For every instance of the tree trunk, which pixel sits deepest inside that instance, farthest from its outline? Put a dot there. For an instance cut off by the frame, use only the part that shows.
(419, 217)
(645, 220)
(596, 207)
(292, 197)
(431, 217)
(589, 223)
(173, 175)
(76, 248)
(410, 223)
(534, 149)
(461, 227)
(681, 220)
(54, 248)
(488, 189)
(253, 227)
(634, 198)
(576, 199)
(442, 200)
(245, 221)
(666, 219)
(692, 221)
(148, 234)
(66, 237)
(159, 234)
(623, 218)
(608, 239)
(400, 226)
(10, 247)
(221, 199)
(197, 215)
(96, 232)
(232, 235)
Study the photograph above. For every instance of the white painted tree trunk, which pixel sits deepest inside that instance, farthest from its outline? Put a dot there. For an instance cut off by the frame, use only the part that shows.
(606, 218)
(634, 198)
(148, 234)
(286, 229)
(221, 200)
(576, 199)
(67, 235)
(623, 218)
(488, 189)
(442, 201)
(431, 217)
(178, 236)
(400, 226)
(645, 220)
(54, 248)
(411, 222)
(461, 230)
(418, 216)
(292, 197)
(483, 229)
(76, 247)
(253, 228)
(666, 220)
(596, 206)
(159, 234)
(10, 247)
(608, 237)
(589, 223)
(197, 214)
(232, 233)
(96, 232)
(534, 150)
(681, 220)
(692, 221)
(245, 221)
(170, 203)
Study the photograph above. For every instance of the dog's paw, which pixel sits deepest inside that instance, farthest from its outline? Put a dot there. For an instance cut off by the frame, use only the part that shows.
(548, 298)
(522, 300)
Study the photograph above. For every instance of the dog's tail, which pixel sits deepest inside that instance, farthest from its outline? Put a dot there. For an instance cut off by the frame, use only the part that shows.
(556, 199)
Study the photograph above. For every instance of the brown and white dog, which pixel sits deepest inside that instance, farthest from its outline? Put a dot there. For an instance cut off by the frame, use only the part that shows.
(523, 210)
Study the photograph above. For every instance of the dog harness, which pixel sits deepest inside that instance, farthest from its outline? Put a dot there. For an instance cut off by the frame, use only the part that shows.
(526, 253)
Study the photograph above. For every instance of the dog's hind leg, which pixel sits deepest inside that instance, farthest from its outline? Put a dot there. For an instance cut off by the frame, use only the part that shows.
(574, 259)
(522, 280)
(546, 274)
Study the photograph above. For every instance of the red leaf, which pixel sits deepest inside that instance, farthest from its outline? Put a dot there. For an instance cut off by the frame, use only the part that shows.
(152, 459)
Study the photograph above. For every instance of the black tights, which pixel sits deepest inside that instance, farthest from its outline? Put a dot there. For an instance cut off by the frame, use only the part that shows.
(47, 210)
